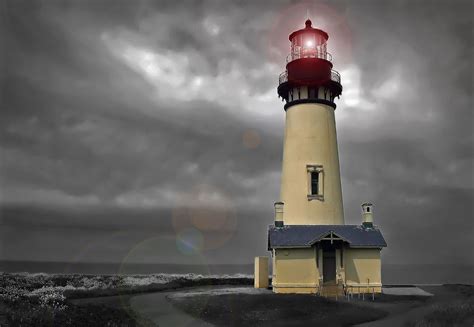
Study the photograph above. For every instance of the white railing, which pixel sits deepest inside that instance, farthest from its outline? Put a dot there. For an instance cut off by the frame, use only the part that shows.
(283, 77)
(308, 53)
(360, 290)
(335, 76)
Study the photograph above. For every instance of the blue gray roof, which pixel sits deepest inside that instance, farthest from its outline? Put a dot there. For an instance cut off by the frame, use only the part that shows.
(308, 235)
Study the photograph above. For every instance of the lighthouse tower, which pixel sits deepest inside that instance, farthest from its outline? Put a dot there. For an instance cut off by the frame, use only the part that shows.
(313, 250)
(311, 184)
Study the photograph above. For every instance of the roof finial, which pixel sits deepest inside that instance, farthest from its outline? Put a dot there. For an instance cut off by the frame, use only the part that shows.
(308, 21)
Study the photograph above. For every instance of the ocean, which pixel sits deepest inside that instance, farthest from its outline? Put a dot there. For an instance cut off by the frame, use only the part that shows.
(392, 274)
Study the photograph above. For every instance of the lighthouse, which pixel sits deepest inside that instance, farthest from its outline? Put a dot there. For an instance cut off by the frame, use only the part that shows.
(312, 249)
(310, 182)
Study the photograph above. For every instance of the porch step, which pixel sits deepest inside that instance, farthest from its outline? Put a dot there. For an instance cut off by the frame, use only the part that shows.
(332, 291)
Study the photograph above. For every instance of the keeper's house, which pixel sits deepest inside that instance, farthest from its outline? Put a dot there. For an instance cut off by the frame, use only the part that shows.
(326, 259)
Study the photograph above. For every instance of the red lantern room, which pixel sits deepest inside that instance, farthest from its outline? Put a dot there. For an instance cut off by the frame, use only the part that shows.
(309, 76)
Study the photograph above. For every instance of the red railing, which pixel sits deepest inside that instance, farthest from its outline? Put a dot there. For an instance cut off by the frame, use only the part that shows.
(335, 76)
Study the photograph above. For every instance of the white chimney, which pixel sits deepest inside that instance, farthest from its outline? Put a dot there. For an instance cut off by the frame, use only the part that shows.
(367, 215)
(279, 214)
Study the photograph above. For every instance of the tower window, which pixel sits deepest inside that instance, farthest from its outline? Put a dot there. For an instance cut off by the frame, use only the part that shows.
(315, 182)
(368, 209)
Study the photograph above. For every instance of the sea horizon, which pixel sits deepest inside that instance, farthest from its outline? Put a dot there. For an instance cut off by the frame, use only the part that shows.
(394, 274)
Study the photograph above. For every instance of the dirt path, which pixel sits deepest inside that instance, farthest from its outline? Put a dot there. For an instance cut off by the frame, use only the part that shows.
(157, 308)
(153, 306)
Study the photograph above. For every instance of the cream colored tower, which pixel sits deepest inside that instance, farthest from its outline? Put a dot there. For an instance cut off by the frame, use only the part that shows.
(310, 145)
(311, 183)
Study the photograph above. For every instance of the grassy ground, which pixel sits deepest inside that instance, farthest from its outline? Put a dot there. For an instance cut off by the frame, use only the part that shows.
(456, 313)
(71, 300)
(451, 306)
(45, 300)
(32, 314)
(274, 310)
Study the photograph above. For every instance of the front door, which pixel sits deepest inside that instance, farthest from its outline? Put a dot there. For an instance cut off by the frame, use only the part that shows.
(329, 265)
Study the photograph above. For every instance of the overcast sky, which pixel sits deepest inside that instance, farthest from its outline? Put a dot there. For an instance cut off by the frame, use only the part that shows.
(151, 131)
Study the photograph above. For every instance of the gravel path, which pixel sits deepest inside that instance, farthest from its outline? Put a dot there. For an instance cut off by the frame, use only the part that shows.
(157, 308)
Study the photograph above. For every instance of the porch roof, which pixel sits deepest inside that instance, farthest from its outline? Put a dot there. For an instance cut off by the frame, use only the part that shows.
(290, 236)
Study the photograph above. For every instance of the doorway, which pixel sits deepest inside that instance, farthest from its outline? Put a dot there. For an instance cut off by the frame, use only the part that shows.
(329, 265)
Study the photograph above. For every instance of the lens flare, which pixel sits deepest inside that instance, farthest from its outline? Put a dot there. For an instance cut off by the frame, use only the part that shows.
(190, 241)
(197, 210)
(251, 139)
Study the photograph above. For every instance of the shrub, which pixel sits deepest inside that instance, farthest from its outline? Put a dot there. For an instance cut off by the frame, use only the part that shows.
(12, 294)
(50, 297)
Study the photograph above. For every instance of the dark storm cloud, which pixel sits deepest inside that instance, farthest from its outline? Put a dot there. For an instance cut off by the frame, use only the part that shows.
(412, 154)
(119, 112)
(78, 121)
